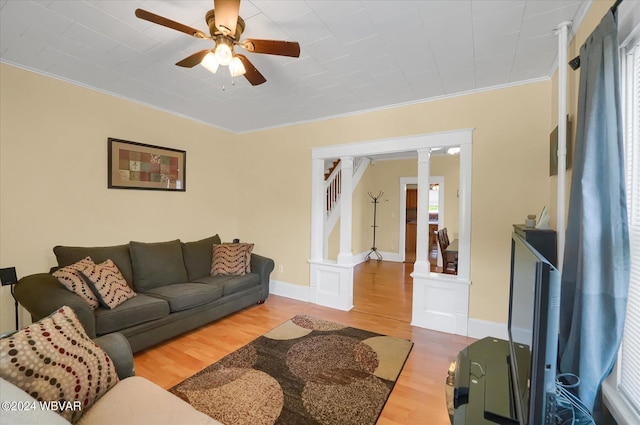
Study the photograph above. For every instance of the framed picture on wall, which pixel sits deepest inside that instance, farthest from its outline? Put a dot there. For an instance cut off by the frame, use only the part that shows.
(553, 149)
(133, 165)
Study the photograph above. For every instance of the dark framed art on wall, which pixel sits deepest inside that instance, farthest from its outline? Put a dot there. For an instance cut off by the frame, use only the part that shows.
(553, 149)
(133, 165)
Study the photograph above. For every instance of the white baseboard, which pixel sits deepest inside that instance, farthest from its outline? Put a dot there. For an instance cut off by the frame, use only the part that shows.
(479, 329)
(290, 290)
(386, 256)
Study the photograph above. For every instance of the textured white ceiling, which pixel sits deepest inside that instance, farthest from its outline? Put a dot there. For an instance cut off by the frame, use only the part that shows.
(355, 55)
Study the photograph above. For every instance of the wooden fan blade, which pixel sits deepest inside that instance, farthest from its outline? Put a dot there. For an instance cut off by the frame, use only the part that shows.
(193, 60)
(272, 47)
(165, 22)
(252, 75)
(226, 15)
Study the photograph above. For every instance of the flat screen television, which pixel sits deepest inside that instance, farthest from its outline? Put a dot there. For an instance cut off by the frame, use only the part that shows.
(534, 313)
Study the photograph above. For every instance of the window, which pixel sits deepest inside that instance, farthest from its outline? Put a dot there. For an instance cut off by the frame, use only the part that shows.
(622, 388)
(630, 361)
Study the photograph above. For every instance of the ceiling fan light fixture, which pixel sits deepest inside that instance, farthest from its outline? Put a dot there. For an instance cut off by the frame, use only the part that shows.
(209, 61)
(226, 28)
(224, 54)
(236, 67)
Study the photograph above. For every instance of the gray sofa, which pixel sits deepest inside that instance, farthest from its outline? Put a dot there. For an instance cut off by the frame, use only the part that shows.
(175, 292)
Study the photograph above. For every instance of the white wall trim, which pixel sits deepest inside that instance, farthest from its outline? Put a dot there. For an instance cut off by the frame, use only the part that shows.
(620, 408)
(289, 290)
(395, 145)
(482, 328)
(386, 256)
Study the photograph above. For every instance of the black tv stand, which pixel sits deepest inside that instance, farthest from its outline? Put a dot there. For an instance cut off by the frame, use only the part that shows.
(480, 390)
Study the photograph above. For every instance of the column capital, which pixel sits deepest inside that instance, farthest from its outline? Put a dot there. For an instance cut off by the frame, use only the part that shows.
(424, 155)
(347, 161)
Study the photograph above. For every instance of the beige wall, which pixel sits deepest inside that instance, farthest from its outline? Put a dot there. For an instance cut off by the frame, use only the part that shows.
(53, 175)
(385, 177)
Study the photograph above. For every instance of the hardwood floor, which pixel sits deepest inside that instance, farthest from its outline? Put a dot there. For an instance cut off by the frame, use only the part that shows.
(382, 299)
(383, 289)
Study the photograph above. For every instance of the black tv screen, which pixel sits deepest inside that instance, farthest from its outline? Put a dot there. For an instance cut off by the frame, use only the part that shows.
(534, 312)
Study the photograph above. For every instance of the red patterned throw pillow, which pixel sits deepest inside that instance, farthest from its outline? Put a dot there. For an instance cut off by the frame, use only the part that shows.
(108, 284)
(231, 259)
(71, 278)
(55, 362)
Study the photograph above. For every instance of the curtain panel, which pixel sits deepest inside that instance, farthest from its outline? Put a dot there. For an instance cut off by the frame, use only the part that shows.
(595, 276)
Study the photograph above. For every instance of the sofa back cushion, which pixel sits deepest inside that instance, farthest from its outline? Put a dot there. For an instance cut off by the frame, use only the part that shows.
(198, 255)
(119, 254)
(157, 264)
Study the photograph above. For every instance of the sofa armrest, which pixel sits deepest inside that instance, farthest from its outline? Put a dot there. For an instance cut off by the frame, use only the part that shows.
(263, 266)
(41, 294)
(119, 350)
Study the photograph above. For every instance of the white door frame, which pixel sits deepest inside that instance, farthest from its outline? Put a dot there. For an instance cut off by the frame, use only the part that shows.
(404, 182)
(440, 302)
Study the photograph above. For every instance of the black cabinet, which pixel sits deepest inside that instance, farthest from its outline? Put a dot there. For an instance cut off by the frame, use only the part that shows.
(543, 240)
(478, 386)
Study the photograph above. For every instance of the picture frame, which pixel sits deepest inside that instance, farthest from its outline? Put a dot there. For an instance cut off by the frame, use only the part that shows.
(133, 165)
(553, 149)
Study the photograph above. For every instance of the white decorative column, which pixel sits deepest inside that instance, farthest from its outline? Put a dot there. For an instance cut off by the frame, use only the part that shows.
(331, 283)
(441, 301)
(464, 219)
(421, 266)
(346, 210)
(318, 208)
(563, 34)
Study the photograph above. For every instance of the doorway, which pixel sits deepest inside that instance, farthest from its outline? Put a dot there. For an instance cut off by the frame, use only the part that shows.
(408, 218)
(440, 302)
(411, 212)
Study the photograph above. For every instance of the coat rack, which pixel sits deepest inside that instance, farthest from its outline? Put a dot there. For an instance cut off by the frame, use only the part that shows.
(374, 250)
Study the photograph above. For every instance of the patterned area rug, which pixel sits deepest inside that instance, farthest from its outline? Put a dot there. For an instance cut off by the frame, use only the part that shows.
(306, 371)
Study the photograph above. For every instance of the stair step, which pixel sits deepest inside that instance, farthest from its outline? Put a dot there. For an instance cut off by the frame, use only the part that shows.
(330, 170)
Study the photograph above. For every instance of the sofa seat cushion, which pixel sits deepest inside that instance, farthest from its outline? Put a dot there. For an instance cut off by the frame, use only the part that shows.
(139, 309)
(232, 284)
(138, 401)
(183, 296)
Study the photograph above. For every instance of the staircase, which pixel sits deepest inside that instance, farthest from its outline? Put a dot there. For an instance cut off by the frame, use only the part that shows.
(333, 186)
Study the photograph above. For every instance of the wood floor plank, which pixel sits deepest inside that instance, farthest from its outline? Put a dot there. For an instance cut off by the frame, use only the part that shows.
(382, 304)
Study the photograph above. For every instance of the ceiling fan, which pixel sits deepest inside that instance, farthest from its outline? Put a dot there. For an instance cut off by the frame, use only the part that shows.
(226, 27)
